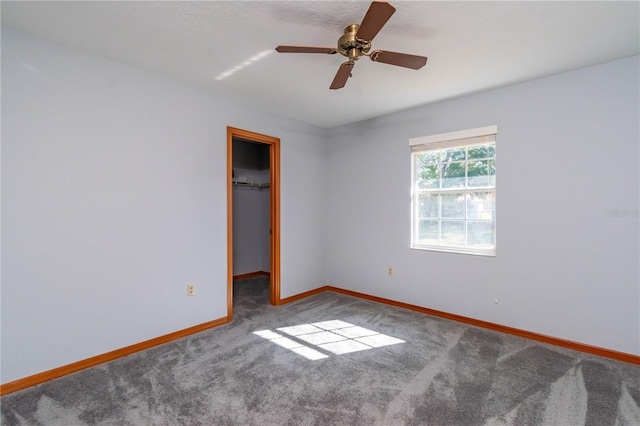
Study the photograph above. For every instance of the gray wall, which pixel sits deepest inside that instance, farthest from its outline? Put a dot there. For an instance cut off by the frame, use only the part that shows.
(114, 198)
(567, 151)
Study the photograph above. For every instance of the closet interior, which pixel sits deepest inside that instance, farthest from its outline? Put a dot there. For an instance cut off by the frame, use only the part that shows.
(251, 208)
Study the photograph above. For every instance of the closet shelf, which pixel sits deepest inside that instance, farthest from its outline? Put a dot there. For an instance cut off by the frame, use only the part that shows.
(252, 185)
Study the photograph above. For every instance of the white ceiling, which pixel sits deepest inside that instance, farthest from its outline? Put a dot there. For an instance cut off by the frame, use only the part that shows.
(472, 46)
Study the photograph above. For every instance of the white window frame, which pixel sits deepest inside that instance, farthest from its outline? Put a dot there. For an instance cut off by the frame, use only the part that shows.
(463, 138)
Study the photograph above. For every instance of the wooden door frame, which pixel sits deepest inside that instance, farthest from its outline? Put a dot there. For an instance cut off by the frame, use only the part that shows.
(274, 171)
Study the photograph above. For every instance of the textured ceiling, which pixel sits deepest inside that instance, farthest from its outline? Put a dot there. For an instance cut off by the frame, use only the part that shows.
(472, 46)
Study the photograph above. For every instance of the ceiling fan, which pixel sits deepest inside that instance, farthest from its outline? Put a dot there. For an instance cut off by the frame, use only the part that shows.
(356, 42)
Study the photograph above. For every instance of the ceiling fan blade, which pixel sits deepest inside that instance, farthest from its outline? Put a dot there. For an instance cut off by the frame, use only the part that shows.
(414, 62)
(343, 74)
(378, 14)
(306, 49)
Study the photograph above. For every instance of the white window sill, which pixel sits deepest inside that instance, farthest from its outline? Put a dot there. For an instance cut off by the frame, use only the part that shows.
(455, 251)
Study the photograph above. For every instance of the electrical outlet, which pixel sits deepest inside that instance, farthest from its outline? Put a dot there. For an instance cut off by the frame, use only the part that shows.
(390, 271)
(191, 289)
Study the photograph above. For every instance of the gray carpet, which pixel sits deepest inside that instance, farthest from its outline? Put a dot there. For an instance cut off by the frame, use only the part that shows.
(332, 359)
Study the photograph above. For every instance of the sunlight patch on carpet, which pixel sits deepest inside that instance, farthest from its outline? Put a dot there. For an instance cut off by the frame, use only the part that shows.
(335, 337)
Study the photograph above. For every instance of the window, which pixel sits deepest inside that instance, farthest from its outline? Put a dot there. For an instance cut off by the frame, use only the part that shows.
(454, 192)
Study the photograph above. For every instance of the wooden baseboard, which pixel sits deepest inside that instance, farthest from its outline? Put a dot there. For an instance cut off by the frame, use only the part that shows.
(45, 376)
(303, 295)
(252, 275)
(581, 347)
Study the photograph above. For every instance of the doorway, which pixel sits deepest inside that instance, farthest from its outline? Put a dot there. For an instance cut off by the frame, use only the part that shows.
(273, 145)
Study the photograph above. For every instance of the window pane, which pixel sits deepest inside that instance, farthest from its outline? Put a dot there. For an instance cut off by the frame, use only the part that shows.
(427, 206)
(453, 175)
(428, 232)
(481, 205)
(482, 151)
(452, 233)
(481, 173)
(427, 171)
(453, 206)
(480, 234)
(454, 154)
(492, 172)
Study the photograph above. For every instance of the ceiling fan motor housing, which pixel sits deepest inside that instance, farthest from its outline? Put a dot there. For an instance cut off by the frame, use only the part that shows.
(350, 46)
